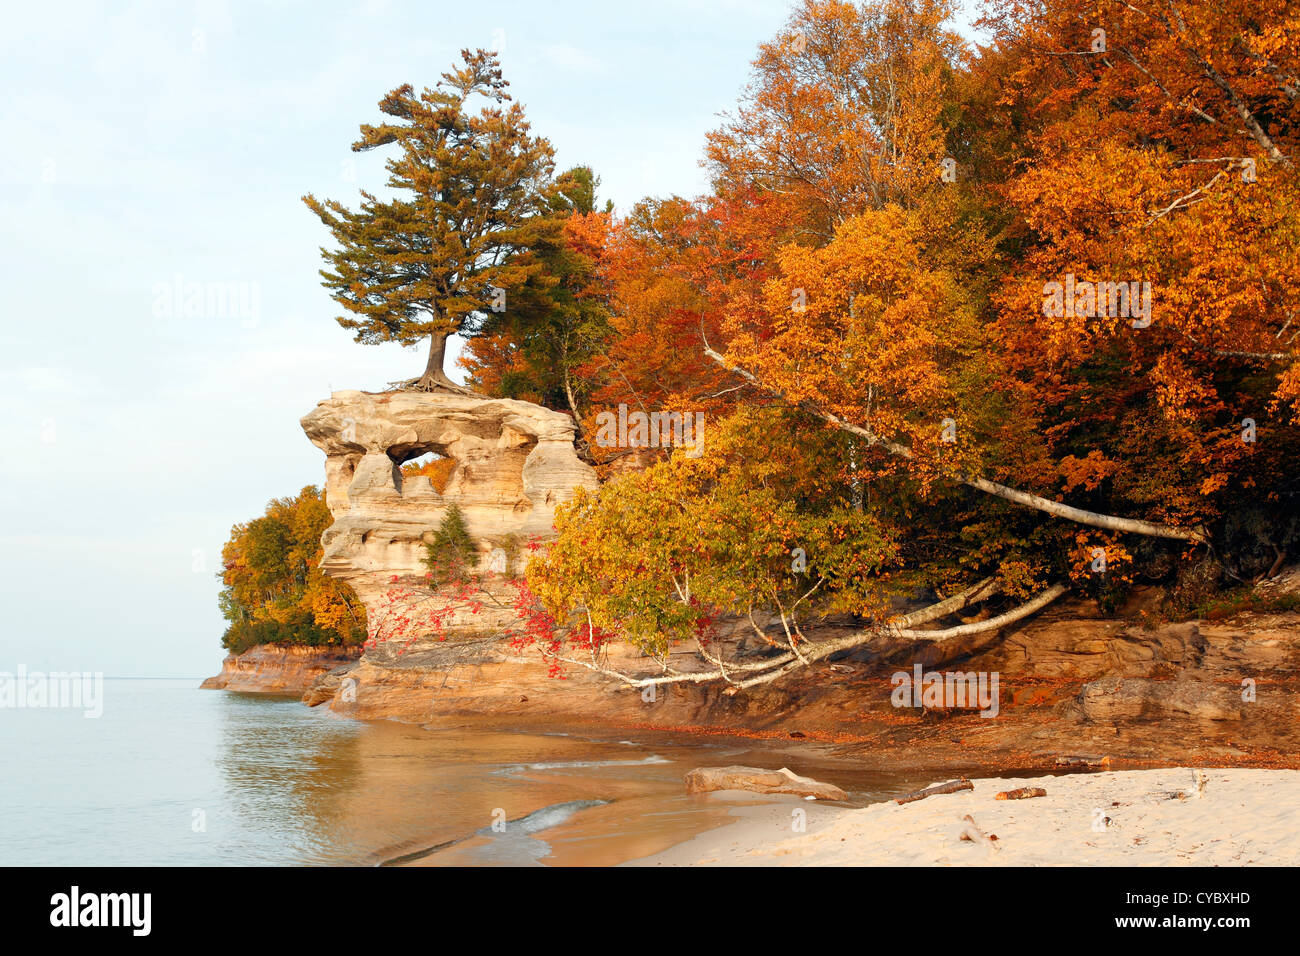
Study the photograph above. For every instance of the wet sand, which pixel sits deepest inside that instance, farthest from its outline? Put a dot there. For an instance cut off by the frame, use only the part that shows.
(580, 799)
(589, 800)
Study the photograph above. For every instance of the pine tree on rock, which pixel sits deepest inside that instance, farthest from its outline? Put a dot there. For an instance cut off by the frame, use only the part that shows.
(470, 195)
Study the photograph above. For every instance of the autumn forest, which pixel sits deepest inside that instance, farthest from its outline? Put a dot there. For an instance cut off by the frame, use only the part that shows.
(966, 324)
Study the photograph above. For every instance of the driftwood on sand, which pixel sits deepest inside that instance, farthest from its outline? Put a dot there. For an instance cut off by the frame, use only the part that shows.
(706, 779)
(953, 787)
(1083, 761)
(1021, 793)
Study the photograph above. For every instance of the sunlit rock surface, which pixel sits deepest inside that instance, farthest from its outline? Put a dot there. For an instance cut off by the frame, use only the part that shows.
(514, 464)
(1076, 684)
(279, 668)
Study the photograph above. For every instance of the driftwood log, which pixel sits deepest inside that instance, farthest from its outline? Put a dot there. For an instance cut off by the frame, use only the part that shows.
(1021, 793)
(1083, 761)
(708, 779)
(953, 787)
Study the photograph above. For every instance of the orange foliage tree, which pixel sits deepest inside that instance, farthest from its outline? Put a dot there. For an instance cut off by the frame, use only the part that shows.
(274, 590)
(978, 324)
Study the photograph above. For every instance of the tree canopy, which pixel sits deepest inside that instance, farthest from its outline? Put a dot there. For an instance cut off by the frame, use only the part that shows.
(471, 201)
(274, 591)
(985, 324)
(967, 324)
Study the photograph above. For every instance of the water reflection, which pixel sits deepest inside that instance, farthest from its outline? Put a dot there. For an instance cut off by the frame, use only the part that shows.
(282, 770)
(171, 775)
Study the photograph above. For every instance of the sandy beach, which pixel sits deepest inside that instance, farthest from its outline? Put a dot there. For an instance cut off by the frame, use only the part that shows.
(1133, 818)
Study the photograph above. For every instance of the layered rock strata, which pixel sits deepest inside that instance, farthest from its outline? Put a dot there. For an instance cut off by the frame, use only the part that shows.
(1075, 685)
(279, 668)
(514, 465)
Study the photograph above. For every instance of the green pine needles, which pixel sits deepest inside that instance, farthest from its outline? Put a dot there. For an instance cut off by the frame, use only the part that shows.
(453, 553)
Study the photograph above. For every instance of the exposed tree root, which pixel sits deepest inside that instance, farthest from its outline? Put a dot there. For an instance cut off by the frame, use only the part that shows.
(1276, 566)
(742, 674)
(429, 383)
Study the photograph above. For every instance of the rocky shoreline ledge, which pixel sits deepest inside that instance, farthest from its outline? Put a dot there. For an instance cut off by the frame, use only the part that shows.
(1076, 690)
(279, 668)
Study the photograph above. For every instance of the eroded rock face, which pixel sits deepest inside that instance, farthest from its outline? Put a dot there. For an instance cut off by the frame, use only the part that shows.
(279, 668)
(1073, 680)
(515, 464)
(1071, 683)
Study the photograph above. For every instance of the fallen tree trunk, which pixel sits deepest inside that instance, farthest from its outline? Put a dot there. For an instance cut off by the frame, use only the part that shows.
(1058, 509)
(950, 605)
(993, 623)
(901, 628)
(953, 787)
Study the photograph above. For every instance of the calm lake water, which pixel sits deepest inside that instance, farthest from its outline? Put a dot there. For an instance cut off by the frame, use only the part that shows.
(171, 775)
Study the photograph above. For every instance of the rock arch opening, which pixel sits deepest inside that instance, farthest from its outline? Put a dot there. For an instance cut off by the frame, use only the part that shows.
(418, 465)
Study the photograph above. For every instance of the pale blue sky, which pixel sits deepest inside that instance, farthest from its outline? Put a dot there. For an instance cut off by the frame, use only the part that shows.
(150, 141)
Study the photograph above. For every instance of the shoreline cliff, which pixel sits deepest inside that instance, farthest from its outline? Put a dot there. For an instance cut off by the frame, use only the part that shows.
(1075, 685)
(287, 669)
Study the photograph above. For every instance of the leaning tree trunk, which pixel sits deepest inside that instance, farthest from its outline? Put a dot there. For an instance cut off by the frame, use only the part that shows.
(772, 668)
(1095, 519)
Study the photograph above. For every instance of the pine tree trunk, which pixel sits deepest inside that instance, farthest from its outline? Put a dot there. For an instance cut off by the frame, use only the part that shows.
(434, 376)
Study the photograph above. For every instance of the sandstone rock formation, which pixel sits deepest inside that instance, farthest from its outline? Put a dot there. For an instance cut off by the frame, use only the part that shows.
(279, 668)
(514, 464)
(1073, 680)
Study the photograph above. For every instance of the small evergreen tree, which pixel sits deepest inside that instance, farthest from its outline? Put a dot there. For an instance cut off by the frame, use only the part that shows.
(452, 554)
